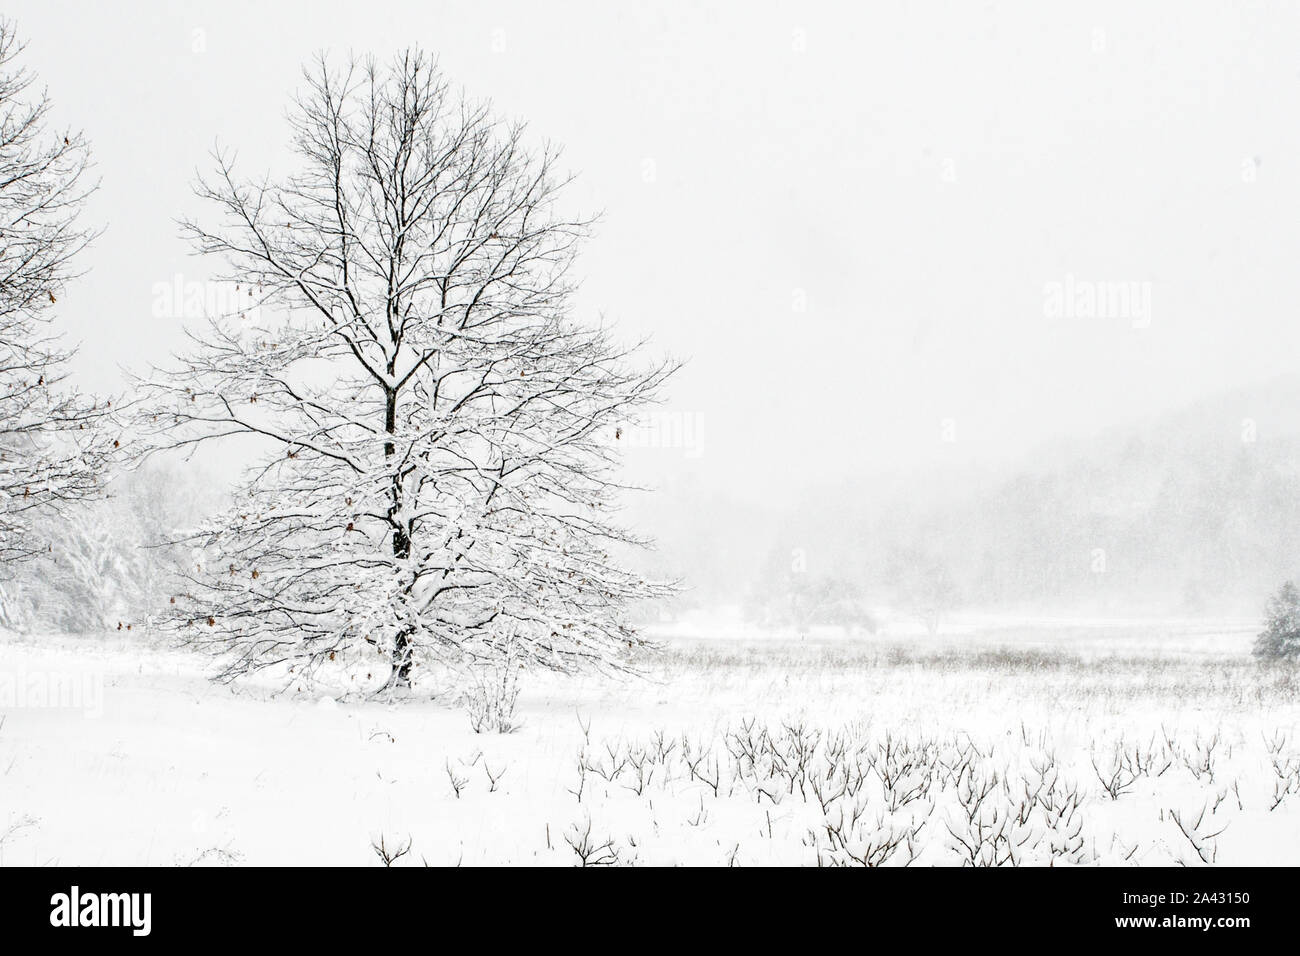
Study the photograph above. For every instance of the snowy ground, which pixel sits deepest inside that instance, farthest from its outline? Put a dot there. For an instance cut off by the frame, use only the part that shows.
(1063, 743)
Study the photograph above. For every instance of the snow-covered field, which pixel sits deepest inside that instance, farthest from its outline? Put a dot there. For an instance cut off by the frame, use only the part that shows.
(1056, 743)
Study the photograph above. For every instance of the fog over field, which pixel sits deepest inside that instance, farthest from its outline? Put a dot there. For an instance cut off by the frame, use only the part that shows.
(659, 434)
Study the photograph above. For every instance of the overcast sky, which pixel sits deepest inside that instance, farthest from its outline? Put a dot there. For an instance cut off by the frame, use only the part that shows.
(847, 217)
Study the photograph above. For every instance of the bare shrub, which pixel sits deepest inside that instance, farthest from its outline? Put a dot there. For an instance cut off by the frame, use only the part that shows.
(1127, 763)
(591, 851)
(1286, 768)
(493, 696)
(1205, 843)
(388, 856)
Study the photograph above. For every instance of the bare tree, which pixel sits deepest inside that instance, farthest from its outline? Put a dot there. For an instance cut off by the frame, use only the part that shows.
(437, 434)
(51, 452)
(924, 586)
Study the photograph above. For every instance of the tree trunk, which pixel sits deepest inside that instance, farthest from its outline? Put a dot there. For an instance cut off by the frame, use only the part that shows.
(401, 675)
(401, 662)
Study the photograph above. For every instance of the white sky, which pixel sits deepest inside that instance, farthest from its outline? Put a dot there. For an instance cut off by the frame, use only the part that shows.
(795, 147)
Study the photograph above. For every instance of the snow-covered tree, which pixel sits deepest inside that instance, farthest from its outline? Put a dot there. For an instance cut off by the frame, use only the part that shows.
(1280, 639)
(436, 434)
(109, 563)
(52, 451)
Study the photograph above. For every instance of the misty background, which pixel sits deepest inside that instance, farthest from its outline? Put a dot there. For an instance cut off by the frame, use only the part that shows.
(856, 225)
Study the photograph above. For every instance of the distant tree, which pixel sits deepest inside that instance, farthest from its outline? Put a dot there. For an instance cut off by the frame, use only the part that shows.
(437, 434)
(52, 452)
(1193, 596)
(935, 597)
(787, 594)
(1280, 639)
(109, 562)
(924, 586)
(830, 601)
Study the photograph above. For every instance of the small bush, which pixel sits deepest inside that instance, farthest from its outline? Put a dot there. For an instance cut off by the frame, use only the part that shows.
(492, 697)
(1280, 640)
